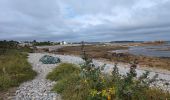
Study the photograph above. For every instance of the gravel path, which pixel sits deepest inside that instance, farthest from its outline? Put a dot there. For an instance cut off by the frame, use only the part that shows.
(39, 88)
(162, 81)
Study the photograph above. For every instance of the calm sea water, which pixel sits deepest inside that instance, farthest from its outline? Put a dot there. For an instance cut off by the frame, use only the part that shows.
(154, 51)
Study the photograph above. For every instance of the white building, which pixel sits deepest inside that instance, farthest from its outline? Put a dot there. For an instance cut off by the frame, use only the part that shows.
(63, 43)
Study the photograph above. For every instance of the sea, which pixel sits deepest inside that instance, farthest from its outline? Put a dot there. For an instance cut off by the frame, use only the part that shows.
(153, 51)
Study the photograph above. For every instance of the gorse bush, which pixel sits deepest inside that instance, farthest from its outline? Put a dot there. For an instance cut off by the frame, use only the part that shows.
(89, 83)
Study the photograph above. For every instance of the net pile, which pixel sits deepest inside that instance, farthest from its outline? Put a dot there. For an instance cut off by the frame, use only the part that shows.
(49, 60)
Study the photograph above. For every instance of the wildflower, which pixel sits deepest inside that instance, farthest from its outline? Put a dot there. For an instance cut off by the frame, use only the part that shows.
(108, 97)
(112, 90)
(104, 93)
(93, 92)
(85, 81)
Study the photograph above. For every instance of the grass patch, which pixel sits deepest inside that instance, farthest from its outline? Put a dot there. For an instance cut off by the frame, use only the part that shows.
(156, 94)
(72, 86)
(69, 83)
(14, 69)
(62, 71)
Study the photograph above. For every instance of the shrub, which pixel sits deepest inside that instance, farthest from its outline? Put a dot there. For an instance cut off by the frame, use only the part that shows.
(42, 43)
(89, 83)
(6, 46)
(77, 89)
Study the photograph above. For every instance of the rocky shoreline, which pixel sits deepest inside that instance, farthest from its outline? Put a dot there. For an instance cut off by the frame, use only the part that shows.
(39, 88)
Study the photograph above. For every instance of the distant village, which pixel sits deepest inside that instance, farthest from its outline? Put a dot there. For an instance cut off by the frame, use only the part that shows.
(64, 43)
(35, 43)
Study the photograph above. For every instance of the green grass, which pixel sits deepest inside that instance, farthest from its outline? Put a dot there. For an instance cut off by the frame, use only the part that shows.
(62, 71)
(72, 86)
(156, 94)
(62, 74)
(69, 83)
(14, 69)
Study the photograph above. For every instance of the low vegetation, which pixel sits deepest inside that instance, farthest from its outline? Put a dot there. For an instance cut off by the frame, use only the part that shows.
(62, 71)
(87, 82)
(103, 52)
(14, 67)
(44, 43)
(6, 46)
(91, 84)
(152, 62)
(95, 51)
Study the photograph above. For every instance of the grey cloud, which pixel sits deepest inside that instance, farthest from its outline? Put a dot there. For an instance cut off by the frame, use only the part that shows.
(90, 20)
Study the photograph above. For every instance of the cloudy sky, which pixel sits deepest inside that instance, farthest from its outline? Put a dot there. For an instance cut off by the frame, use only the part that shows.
(88, 20)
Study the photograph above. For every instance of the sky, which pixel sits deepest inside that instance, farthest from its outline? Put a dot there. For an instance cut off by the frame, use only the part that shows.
(85, 20)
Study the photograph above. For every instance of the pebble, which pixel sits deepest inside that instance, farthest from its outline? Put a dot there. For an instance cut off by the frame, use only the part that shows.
(39, 88)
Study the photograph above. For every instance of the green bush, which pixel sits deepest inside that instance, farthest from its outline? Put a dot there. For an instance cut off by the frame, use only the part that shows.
(89, 83)
(10, 46)
(74, 86)
(42, 43)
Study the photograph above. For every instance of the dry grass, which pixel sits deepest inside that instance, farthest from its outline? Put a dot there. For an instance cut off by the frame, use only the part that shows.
(143, 61)
(14, 69)
(99, 51)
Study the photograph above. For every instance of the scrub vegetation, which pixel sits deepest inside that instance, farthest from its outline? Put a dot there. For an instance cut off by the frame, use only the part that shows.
(14, 67)
(87, 82)
(104, 52)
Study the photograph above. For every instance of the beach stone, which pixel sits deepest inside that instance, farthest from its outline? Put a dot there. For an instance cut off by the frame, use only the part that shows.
(39, 88)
